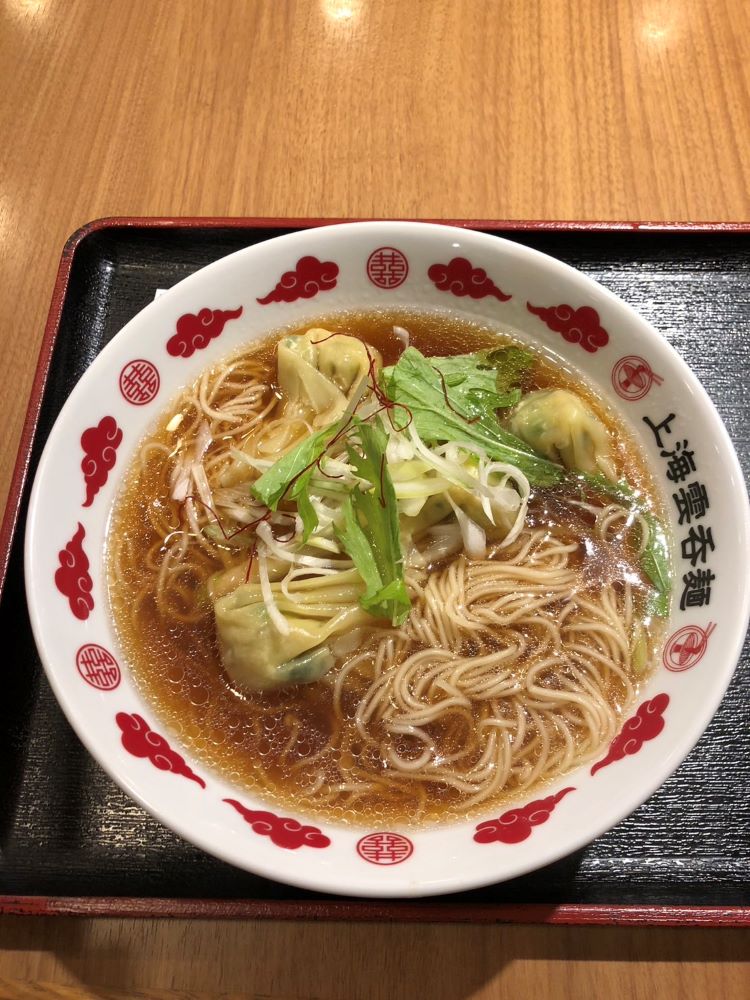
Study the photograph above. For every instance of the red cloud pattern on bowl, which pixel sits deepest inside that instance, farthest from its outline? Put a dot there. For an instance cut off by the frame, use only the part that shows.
(100, 446)
(646, 724)
(73, 579)
(577, 326)
(196, 330)
(140, 740)
(283, 831)
(309, 277)
(460, 277)
(515, 825)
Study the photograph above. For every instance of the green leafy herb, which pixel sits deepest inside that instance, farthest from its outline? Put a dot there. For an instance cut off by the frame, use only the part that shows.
(462, 411)
(473, 384)
(656, 562)
(370, 529)
(620, 491)
(374, 440)
(295, 467)
(511, 365)
(300, 493)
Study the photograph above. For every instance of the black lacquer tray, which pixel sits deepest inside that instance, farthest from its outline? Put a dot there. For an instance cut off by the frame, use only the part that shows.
(72, 842)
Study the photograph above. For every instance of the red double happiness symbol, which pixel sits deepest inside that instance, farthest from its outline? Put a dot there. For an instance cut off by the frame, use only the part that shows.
(139, 382)
(385, 848)
(632, 377)
(387, 267)
(98, 667)
(687, 647)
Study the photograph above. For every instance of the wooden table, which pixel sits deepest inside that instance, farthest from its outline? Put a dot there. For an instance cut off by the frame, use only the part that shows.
(506, 109)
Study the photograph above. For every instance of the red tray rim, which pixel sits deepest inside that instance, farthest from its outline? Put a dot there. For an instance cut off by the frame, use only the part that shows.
(373, 911)
(611, 914)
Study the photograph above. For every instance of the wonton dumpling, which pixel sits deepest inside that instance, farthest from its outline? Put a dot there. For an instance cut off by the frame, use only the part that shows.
(559, 425)
(344, 361)
(303, 384)
(226, 581)
(437, 508)
(503, 518)
(318, 371)
(256, 655)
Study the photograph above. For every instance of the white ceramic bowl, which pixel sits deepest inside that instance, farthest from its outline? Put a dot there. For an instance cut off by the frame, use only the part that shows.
(297, 278)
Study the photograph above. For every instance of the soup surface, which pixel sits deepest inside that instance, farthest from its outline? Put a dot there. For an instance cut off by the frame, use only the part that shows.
(510, 669)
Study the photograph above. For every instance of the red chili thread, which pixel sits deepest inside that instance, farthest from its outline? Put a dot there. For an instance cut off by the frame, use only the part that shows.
(385, 403)
(215, 516)
(448, 403)
(315, 461)
(323, 472)
(290, 532)
(251, 560)
(330, 335)
(382, 481)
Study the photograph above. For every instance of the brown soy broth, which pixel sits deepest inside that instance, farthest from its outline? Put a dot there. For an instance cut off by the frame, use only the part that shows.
(263, 741)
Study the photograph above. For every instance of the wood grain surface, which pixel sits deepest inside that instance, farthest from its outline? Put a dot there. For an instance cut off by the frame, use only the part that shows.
(546, 109)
